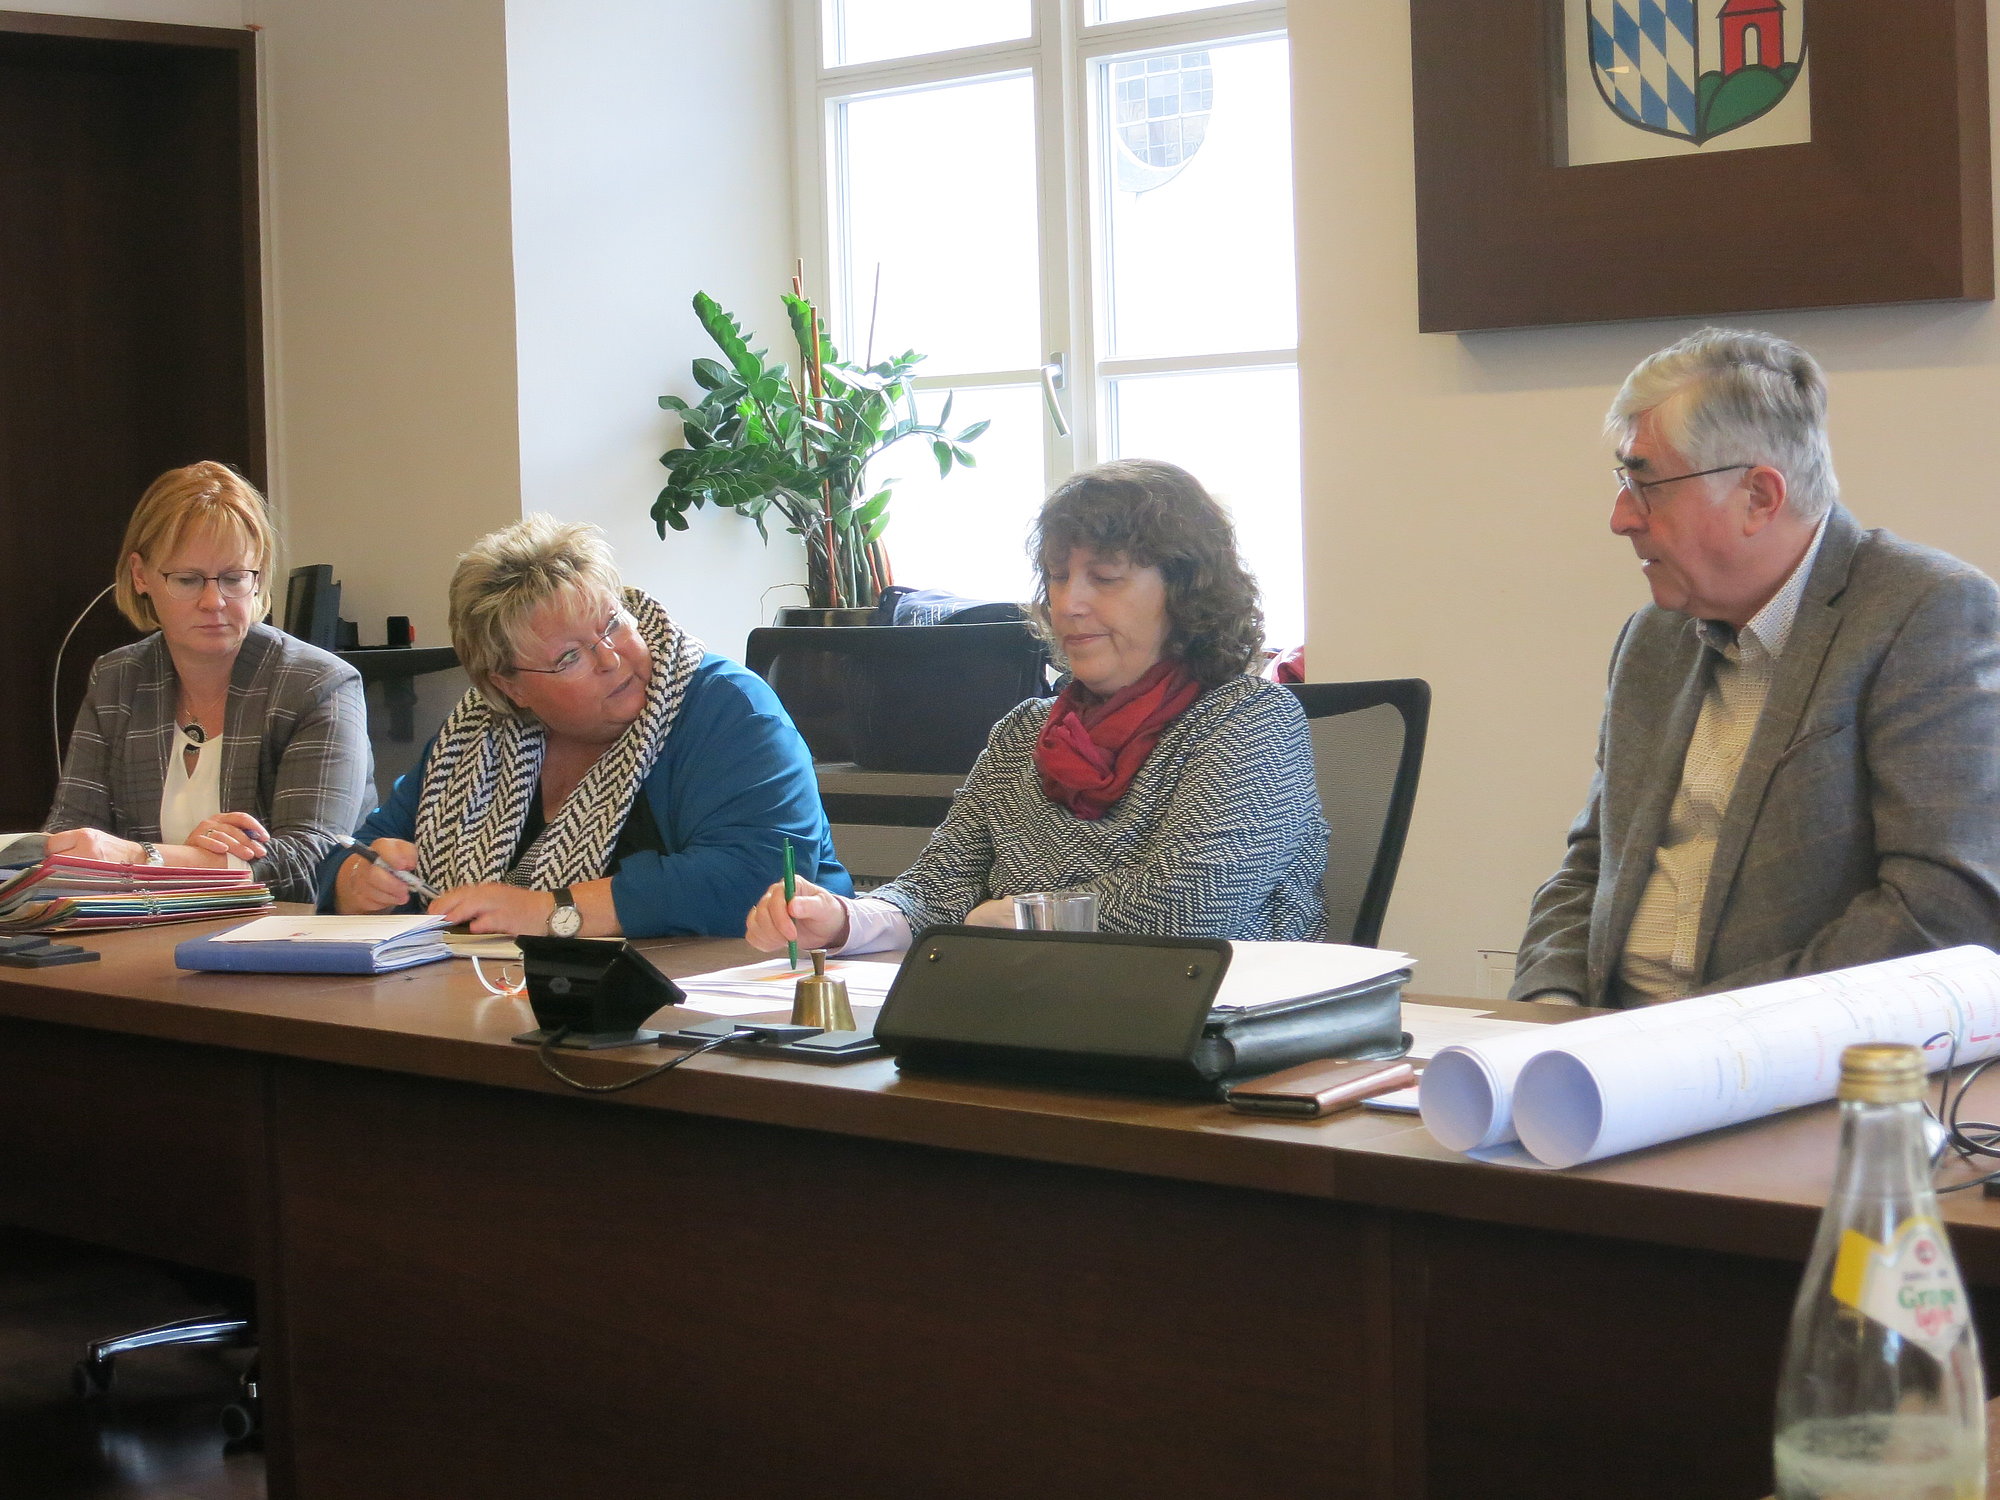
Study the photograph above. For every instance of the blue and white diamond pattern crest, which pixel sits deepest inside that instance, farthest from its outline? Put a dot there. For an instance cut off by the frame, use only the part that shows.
(1644, 55)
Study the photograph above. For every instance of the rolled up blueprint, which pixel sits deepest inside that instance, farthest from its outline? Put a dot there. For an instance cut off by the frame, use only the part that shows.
(1485, 1094)
(1598, 1096)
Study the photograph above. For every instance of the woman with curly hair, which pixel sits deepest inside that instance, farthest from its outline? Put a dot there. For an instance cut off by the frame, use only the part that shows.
(1163, 779)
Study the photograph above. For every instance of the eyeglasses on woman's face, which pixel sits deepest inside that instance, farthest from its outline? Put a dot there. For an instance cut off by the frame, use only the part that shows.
(231, 583)
(576, 660)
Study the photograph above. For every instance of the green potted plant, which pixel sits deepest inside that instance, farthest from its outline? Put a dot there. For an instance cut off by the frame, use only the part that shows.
(761, 438)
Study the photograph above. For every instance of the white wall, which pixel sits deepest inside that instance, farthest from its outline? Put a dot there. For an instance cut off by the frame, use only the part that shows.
(651, 159)
(1457, 488)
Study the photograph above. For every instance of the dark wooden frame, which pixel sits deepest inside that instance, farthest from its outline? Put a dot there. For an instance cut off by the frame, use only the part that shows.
(1891, 201)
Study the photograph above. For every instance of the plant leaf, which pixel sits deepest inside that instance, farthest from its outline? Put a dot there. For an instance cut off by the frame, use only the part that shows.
(973, 431)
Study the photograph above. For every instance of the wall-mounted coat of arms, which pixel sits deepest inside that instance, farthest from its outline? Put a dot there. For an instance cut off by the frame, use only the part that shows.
(1685, 73)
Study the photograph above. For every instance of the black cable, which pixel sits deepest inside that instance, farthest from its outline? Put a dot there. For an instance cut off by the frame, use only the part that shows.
(545, 1054)
(1968, 1139)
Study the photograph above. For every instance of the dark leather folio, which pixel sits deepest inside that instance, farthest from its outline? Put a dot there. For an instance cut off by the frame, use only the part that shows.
(1318, 1088)
(1104, 1010)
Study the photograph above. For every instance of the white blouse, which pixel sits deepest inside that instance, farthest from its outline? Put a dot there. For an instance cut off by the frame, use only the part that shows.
(186, 800)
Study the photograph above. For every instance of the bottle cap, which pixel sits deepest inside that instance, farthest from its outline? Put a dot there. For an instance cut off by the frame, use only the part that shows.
(1881, 1073)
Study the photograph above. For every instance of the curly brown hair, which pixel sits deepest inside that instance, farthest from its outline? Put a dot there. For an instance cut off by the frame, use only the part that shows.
(1157, 515)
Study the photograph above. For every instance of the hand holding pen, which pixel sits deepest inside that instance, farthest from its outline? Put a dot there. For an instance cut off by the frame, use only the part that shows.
(384, 882)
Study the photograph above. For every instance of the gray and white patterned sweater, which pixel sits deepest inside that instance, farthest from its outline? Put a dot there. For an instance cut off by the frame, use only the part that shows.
(1219, 835)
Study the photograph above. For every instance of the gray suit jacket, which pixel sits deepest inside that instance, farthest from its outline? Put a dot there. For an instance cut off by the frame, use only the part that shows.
(294, 750)
(1865, 822)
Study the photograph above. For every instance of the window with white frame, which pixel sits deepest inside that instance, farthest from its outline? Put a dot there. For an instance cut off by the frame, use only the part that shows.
(1081, 212)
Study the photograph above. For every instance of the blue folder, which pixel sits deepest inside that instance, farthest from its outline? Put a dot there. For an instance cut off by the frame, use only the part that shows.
(405, 950)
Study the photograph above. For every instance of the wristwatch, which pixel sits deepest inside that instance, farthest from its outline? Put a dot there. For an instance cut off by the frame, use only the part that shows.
(565, 921)
(152, 853)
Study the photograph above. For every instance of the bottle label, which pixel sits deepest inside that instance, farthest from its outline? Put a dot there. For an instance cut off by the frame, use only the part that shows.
(1910, 1285)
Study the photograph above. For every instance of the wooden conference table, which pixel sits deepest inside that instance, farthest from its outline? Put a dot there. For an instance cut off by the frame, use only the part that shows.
(760, 1279)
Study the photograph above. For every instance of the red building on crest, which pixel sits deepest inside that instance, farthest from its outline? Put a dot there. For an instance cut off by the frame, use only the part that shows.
(1743, 20)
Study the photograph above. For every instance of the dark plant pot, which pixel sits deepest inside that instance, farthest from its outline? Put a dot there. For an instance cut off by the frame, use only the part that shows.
(800, 614)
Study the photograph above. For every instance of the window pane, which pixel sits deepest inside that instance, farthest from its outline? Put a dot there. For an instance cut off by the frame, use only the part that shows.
(940, 193)
(859, 31)
(968, 533)
(1132, 10)
(1195, 169)
(1180, 418)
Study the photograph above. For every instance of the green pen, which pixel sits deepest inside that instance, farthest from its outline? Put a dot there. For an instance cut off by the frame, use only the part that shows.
(791, 890)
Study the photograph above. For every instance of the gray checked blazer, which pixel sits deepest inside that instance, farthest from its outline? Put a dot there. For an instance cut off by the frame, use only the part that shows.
(1865, 822)
(294, 750)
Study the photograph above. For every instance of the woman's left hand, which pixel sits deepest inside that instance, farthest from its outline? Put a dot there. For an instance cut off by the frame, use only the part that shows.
(494, 907)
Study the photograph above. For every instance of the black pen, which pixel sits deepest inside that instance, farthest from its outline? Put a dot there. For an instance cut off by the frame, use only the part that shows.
(355, 846)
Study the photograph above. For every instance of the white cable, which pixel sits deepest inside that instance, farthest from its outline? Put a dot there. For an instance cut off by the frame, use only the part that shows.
(55, 681)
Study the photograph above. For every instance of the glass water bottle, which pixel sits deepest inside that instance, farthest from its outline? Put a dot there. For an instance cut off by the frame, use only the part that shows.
(1881, 1397)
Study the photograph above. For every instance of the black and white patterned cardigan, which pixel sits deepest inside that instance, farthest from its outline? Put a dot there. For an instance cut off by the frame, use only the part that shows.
(1219, 835)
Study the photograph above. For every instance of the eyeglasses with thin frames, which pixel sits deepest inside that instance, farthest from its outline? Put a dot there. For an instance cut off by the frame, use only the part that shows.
(231, 583)
(570, 660)
(1640, 489)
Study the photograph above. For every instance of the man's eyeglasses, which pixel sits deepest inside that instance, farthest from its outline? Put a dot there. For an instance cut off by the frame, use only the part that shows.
(1640, 489)
(236, 583)
(567, 664)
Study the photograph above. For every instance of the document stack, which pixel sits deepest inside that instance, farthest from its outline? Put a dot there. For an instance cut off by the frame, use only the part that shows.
(62, 893)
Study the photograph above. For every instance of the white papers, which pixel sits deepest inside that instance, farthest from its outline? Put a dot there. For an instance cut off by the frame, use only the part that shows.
(1589, 1089)
(311, 929)
(1267, 973)
(756, 989)
(1397, 1101)
(1432, 1028)
(483, 945)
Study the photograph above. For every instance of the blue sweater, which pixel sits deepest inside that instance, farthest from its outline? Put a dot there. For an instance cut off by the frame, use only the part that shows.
(732, 783)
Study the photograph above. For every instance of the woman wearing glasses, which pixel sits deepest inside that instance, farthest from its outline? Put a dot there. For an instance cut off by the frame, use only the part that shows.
(605, 775)
(216, 739)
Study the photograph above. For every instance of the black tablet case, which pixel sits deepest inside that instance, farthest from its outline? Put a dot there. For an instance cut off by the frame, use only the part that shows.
(1111, 1011)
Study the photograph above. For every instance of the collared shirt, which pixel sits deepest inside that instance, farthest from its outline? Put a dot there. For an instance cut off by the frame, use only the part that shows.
(1658, 962)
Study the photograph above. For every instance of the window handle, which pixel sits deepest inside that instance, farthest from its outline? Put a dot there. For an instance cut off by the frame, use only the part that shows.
(1054, 379)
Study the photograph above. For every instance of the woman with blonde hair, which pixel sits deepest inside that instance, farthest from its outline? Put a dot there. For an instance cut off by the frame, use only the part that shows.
(605, 775)
(216, 739)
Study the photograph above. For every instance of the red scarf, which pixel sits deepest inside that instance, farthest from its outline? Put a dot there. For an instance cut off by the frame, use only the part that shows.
(1092, 747)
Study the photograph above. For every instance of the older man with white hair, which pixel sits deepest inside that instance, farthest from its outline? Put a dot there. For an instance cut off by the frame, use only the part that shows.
(1799, 763)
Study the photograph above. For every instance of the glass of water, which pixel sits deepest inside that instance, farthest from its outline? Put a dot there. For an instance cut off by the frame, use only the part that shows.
(1056, 911)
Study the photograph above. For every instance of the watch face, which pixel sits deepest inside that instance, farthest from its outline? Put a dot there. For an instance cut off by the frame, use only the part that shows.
(565, 921)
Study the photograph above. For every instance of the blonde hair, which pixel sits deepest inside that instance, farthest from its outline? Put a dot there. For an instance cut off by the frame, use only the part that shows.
(504, 578)
(180, 504)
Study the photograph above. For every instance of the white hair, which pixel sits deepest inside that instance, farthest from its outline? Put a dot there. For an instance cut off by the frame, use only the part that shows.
(1724, 396)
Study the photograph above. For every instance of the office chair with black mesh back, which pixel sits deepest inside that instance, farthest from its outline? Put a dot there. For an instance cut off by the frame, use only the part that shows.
(1368, 747)
(911, 698)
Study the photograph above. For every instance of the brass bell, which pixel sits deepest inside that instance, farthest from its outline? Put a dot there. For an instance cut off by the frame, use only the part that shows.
(820, 1001)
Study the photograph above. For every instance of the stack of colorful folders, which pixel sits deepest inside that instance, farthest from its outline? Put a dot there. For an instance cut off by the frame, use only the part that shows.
(66, 894)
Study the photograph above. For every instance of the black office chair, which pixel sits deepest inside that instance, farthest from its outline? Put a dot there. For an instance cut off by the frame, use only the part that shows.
(899, 697)
(1368, 747)
(232, 1326)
